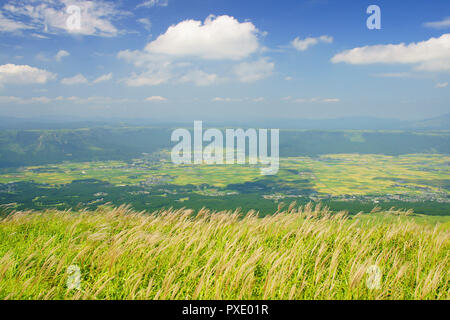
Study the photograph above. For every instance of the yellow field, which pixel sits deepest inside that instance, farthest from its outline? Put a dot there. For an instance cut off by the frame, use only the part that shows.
(343, 174)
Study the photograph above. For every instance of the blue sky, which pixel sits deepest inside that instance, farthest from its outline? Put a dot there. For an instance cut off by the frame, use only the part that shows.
(223, 59)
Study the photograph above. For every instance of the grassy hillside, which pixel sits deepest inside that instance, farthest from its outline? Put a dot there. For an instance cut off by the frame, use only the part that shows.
(301, 253)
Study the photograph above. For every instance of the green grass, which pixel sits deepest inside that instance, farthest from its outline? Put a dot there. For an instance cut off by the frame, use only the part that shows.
(300, 253)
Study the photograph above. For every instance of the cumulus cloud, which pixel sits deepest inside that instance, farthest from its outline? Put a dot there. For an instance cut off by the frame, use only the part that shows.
(182, 52)
(429, 55)
(156, 99)
(77, 79)
(217, 38)
(61, 54)
(102, 78)
(23, 74)
(254, 71)
(302, 45)
(445, 23)
(52, 16)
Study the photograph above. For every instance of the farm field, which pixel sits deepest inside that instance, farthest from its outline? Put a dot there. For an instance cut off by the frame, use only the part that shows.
(351, 182)
(355, 174)
(340, 174)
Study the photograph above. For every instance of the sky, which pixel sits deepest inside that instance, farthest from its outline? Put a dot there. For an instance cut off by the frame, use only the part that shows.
(185, 60)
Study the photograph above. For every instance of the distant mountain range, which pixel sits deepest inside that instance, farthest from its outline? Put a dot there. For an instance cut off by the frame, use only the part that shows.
(345, 123)
(438, 123)
(359, 123)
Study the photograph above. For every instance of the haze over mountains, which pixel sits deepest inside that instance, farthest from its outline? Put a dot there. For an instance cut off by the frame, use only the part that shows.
(344, 123)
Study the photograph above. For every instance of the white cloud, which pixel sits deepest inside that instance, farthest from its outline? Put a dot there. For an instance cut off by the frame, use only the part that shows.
(39, 36)
(149, 78)
(441, 84)
(302, 45)
(445, 23)
(200, 78)
(10, 99)
(217, 38)
(23, 74)
(146, 23)
(246, 99)
(254, 71)
(153, 3)
(315, 100)
(19, 100)
(219, 99)
(394, 75)
(94, 100)
(156, 99)
(429, 55)
(175, 55)
(77, 79)
(163, 72)
(61, 54)
(102, 78)
(51, 16)
(157, 69)
(141, 58)
(41, 99)
(330, 100)
(73, 99)
(8, 25)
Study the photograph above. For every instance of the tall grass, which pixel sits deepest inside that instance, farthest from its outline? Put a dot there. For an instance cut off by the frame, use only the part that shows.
(300, 253)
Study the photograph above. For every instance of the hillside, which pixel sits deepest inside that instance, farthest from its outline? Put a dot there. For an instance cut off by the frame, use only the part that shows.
(35, 147)
(300, 253)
